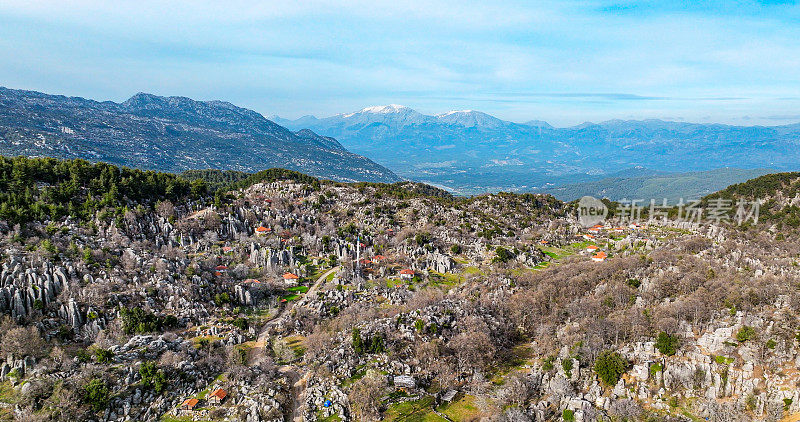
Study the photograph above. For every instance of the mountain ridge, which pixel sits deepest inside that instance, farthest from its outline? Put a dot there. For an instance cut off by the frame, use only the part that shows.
(472, 152)
(170, 134)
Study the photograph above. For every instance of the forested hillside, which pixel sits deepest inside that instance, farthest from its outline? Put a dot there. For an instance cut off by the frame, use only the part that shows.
(39, 189)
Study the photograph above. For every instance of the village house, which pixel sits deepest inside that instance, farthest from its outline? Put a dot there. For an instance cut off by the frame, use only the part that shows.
(261, 230)
(404, 382)
(599, 257)
(596, 228)
(407, 274)
(591, 248)
(217, 396)
(188, 405)
(290, 279)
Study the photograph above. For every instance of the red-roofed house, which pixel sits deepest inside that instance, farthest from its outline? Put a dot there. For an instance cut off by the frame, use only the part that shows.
(591, 248)
(217, 396)
(290, 279)
(407, 274)
(378, 258)
(262, 230)
(189, 404)
(599, 257)
(222, 268)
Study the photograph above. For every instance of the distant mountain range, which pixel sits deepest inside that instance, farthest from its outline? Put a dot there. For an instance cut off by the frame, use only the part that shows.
(643, 184)
(171, 134)
(466, 152)
(469, 151)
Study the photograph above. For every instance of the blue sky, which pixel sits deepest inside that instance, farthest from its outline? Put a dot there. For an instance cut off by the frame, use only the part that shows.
(565, 62)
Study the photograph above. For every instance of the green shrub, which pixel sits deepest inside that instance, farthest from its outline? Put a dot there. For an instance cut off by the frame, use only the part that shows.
(503, 255)
(610, 366)
(96, 394)
(103, 355)
(568, 415)
(655, 369)
(667, 344)
(673, 402)
(222, 298)
(722, 360)
(567, 365)
(83, 356)
(745, 333)
(138, 321)
(547, 363)
(152, 377)
(240, 323)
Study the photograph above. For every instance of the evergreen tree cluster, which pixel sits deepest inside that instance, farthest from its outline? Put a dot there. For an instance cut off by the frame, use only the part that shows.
(42, 189)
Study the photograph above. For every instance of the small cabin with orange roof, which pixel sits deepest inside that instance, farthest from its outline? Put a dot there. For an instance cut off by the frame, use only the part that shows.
(407, 274)
(290, 279)
(188, 405)
(217, 396)
(591, 248)
(599, 257)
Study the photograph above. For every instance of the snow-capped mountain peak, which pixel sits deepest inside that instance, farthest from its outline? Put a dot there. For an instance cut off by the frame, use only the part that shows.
(470, 118)
(458, 112)
(393, 113)
(391, 108)
(382, 109)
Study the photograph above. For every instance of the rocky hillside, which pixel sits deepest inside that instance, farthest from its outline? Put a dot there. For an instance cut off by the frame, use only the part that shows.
(170, 134)
(292, 298)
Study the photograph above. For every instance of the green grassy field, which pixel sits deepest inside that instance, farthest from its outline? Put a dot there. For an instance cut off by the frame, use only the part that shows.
(413, 411)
